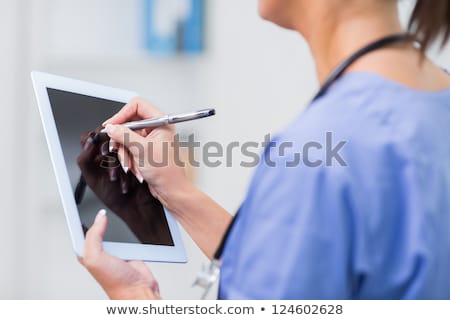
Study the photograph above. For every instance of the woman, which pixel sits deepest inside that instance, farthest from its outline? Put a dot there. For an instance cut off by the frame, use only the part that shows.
(373, 224)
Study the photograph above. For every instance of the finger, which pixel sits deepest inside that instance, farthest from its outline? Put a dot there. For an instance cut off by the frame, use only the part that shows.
(100, 138)
(139, 175)
(124, 158)
(137, 108)
(128, 164)
(113, 146)
(110, 161)
(113, 170)
(93, 244)
(84, 137)
(128, 138)
(88, 155)
(104, 148)
(143, 132)
(134, 169)
(124, 182)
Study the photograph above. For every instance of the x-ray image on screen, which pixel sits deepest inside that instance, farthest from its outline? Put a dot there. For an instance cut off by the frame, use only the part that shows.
(134, 216)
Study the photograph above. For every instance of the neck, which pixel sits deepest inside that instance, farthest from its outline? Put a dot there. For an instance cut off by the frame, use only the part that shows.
(334, 38)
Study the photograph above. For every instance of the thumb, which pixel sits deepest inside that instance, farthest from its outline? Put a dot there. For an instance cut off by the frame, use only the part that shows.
(126, 137)
(93, 245)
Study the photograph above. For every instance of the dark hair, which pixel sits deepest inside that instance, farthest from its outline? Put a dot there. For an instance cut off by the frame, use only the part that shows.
(429, 21)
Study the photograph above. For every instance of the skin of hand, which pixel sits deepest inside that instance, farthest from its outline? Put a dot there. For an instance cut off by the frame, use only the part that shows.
(121, 192)
(121, 280)
(204, 219)
(150, 153)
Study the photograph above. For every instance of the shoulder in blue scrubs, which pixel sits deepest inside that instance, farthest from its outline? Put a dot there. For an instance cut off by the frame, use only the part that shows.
(372, 224)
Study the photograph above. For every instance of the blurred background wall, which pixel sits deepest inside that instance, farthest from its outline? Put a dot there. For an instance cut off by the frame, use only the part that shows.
(256, 75)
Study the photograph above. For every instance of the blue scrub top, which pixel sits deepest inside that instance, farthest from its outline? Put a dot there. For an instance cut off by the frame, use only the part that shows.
(372, 223)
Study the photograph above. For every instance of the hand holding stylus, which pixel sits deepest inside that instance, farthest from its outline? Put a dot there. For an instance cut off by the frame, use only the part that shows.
(148, 124)
(148, 152)
(121, 192)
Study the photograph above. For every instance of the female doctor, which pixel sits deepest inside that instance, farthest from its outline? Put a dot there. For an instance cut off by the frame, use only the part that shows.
(373, 226)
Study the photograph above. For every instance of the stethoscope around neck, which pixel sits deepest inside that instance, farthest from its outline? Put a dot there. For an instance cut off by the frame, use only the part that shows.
(210, 275)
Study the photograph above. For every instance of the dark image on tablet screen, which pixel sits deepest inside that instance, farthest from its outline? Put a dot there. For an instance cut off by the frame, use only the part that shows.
(134, 215)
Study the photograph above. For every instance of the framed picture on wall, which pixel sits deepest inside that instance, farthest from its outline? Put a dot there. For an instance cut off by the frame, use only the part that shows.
(174, 26)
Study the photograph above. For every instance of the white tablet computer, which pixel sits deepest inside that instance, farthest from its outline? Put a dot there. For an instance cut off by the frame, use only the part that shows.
(69, 109)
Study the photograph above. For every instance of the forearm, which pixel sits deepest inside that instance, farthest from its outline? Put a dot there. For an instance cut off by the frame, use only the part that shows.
(203, 219)
(139, 293)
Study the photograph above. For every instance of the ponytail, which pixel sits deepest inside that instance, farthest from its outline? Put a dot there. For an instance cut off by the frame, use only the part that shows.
(431, 19)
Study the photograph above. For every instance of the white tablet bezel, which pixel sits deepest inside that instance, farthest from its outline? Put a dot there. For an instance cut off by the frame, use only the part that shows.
(126, 251)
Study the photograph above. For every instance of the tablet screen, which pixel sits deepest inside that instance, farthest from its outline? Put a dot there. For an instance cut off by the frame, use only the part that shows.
(138, 217)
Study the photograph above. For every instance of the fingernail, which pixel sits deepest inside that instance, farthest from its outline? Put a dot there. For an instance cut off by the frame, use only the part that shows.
(140, 177)
(104, 149)
(110, 128)
(100, 214)
(124, 166)
(111, 146)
